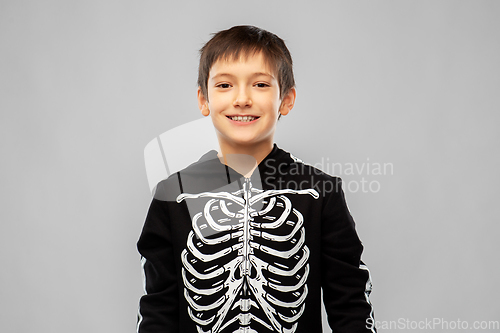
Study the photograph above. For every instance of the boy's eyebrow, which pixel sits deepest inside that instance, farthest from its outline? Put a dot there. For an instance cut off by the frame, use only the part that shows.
(231, 75)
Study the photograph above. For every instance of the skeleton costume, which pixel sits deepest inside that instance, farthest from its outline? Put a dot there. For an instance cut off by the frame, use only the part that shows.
(225, 253)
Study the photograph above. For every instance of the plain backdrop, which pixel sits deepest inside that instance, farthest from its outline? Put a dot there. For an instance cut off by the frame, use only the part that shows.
(85, 85)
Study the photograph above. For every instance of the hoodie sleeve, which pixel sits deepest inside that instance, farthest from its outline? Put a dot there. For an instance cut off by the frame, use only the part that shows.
(345, 279)
(159, 307)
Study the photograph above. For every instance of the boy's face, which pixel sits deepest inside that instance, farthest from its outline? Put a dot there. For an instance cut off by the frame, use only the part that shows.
(244, 103)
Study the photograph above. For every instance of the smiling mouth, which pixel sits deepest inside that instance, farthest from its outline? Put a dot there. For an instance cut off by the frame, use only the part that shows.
(243, 118)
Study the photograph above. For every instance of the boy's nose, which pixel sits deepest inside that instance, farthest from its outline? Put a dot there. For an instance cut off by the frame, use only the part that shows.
(242, 99)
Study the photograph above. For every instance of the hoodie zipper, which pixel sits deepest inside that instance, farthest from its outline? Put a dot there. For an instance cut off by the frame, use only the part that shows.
(246, 228)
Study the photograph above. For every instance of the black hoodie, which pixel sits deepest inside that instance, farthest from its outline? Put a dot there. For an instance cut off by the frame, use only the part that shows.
(225, 253)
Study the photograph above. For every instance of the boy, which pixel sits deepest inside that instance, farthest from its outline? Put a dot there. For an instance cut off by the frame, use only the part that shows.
(243, 241)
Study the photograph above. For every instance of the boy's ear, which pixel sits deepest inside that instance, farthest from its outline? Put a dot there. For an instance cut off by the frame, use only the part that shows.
(288, 102)
(202, 103)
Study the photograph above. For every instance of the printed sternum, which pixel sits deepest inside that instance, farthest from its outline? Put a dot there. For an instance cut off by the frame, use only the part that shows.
(245, 267)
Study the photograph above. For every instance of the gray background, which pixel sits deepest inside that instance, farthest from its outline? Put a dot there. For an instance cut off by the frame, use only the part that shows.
(85, 85)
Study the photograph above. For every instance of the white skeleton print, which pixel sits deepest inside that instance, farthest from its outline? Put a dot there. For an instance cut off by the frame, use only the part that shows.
(246, 261)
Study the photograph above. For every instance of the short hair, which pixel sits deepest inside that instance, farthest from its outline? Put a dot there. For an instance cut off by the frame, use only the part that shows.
(246, 40)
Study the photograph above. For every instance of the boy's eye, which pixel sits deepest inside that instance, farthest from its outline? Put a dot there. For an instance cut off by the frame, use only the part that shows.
(262, 85)
(223, 85)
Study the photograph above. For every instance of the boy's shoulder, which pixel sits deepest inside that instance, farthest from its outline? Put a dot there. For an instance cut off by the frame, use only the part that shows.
(205, 174)
(291, 172)
(297, 166)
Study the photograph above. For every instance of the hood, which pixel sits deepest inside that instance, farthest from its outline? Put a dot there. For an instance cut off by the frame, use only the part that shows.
(209, 174)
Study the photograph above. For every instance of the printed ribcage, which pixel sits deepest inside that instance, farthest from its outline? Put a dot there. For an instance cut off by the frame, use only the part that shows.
(244, 266)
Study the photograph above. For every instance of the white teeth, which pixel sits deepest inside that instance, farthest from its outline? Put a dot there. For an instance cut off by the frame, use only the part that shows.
(244, 118)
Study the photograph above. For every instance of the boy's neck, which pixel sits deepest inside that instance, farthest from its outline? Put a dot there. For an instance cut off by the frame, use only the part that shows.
(244, 159)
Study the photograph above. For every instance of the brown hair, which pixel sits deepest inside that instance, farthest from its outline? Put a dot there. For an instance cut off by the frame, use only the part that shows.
(247, 40)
